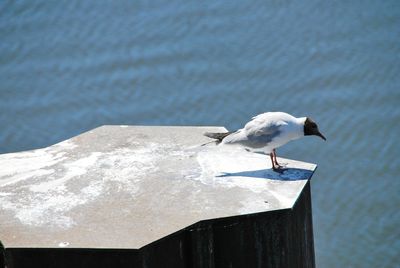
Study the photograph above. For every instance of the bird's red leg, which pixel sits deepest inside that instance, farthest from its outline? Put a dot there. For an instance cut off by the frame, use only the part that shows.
(275, 161)
(272, 161)
(275, 164)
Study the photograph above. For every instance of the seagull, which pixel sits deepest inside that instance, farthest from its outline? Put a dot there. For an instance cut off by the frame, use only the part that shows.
(268, 131)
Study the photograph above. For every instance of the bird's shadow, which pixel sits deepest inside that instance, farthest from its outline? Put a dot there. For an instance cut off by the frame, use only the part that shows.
(287, 174)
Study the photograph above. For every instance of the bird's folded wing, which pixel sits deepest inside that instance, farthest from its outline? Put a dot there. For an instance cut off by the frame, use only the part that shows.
(256, 128)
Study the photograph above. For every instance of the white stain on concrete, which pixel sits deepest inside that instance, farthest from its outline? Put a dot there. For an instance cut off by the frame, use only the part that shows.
(227, 167)
(73, 169)
(17, 167)
(43, 209)
(49, 195)
(63, 244)
(66, 145)
(127, 166)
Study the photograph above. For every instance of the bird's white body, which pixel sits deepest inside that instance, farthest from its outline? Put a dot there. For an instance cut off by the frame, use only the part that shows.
(267, 131)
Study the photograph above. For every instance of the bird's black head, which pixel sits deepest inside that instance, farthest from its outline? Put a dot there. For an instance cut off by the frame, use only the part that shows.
(311, 128)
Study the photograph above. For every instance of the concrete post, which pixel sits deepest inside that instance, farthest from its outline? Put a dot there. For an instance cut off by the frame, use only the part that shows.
(132, 196)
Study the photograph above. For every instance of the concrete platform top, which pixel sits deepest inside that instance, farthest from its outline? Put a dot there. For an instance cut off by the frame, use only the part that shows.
(127, 186)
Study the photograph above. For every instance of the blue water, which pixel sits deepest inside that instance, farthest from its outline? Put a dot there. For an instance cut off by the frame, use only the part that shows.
(69, 66)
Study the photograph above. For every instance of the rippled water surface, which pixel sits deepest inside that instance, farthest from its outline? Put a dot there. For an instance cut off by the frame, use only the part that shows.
(69, 66)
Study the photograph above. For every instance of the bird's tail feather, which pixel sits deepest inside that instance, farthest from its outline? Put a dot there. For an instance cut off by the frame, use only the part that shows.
(217, 136)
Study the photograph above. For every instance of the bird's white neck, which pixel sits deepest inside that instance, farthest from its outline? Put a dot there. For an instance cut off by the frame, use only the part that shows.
(299, 127)
(301, 121)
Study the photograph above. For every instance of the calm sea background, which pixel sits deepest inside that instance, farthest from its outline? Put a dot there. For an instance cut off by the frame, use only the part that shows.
(69, 66)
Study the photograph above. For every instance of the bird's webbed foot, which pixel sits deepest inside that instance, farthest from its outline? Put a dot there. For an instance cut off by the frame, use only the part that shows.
(278, 168)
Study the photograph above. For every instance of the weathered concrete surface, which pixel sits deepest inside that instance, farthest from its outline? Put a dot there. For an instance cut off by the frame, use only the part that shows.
(128, 186)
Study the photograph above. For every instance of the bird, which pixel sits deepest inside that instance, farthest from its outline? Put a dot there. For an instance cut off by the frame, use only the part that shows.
(268, 131)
